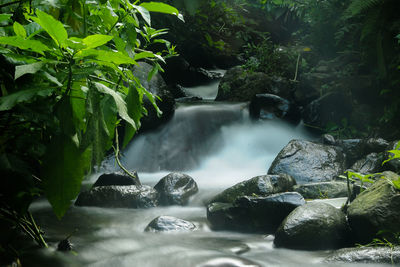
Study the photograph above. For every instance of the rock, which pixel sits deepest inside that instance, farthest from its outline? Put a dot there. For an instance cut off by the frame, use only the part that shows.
(176, 189)
(253, 214)
(313, 226)
(328, 139)
(375, 145)
(369, 255)
(267, 106)
(370, 164)
(113, 196)
(158, 87)
(228, 262)
(330, 108)
(307, 89)
(257, 186)
(322, 190)
(377, 208)
(240, 85)
(169, 224)
(188, 99)
(308, 162)
(116, 178)
(393, 165)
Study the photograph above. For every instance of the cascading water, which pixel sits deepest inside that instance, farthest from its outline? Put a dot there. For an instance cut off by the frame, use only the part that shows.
(218, 145)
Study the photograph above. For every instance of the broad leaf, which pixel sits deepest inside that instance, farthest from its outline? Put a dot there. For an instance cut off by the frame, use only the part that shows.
(27, 69)
(5, 17)
(161, 8)
(106, 56)
(9, 101)
(119, 101)
(134, 103)
(52, 79)
(52, 26)
(144, 13)
(25, 44)
(145, 54)
(63, 170)
(19, 30)
(93, 41)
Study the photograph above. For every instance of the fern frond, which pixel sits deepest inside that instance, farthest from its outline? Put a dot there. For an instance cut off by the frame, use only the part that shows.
(359, 6)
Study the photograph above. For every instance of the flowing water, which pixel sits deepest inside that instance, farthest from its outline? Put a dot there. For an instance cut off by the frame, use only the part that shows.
(215, 143)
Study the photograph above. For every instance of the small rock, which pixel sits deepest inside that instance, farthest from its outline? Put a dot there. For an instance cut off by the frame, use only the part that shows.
(176, 189)
(64, 245)
(313, 226)
(369, 255)
(116, 178)
(322, 190)
(169, 224)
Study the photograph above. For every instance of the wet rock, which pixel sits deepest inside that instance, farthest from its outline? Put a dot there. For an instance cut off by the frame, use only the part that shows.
(328, 139)
(253, 214)
(116, 178)
(330, 108)
(228, 262)
(386, 255)
(189, 99)
(309, 162)
(128, 196)
(176, 189)
(377, 208)
(370, 164)
(169, 224)
(268, 106)
(257, 186)
(64, 245)
(313, 226)
(375, 145)
(322, 190)
(393, 165)
(240, 85)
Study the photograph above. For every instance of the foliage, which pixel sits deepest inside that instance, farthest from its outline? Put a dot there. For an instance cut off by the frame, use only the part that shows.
(66, 84)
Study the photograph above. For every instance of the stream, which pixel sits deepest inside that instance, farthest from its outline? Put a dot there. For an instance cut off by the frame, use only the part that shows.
(215, 143)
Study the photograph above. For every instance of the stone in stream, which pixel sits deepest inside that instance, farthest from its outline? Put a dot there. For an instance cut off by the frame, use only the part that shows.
(176, 189)
(331, 189)
(169, 224)
(309, 162)
(313, 226)
(253, 214)
(375, 209)
(263, 185)
(386, 255)
(113, 196)
(116, 178)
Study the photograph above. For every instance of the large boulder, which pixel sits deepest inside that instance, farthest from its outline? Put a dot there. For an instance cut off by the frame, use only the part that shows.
(314, 226)
(117, 178)
(241, 85)
(309, 162)
(386, 255)
(332, 189)
(268, 106)
(375, 209)
(112, 196)
(329, 108)
(263, 185)
(176, 189)
(169, 224)
(253, 214)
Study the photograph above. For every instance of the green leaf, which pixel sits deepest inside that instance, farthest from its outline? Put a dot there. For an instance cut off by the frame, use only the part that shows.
(5, 17)
(19, 30)
(119, 101)
(161, 8)
(52, 26)
(28, 68)
(75, 43)
(93, 41)
(18, 41)
(9, 101)
(134, 102)
(145, 54)
(106, 56)
(63, 170)
(144, 13)
(51, 78)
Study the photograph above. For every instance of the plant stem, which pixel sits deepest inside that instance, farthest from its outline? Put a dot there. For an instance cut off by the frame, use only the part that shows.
(297, 68)
(116, 149)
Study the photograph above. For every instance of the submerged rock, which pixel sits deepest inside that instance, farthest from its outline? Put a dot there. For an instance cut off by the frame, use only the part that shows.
(309, 162)
(169, 224)
(377, 208)
(253, 214)
(323, 190)
(263, 185)
(128, 196)
(176, 189)
(116, 178)
(366, 255)
(314, 226)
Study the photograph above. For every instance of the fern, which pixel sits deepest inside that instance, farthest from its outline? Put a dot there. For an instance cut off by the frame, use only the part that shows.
(357, 7)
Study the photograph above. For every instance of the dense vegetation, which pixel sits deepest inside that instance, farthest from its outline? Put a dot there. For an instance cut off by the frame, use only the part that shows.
(66, 76)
